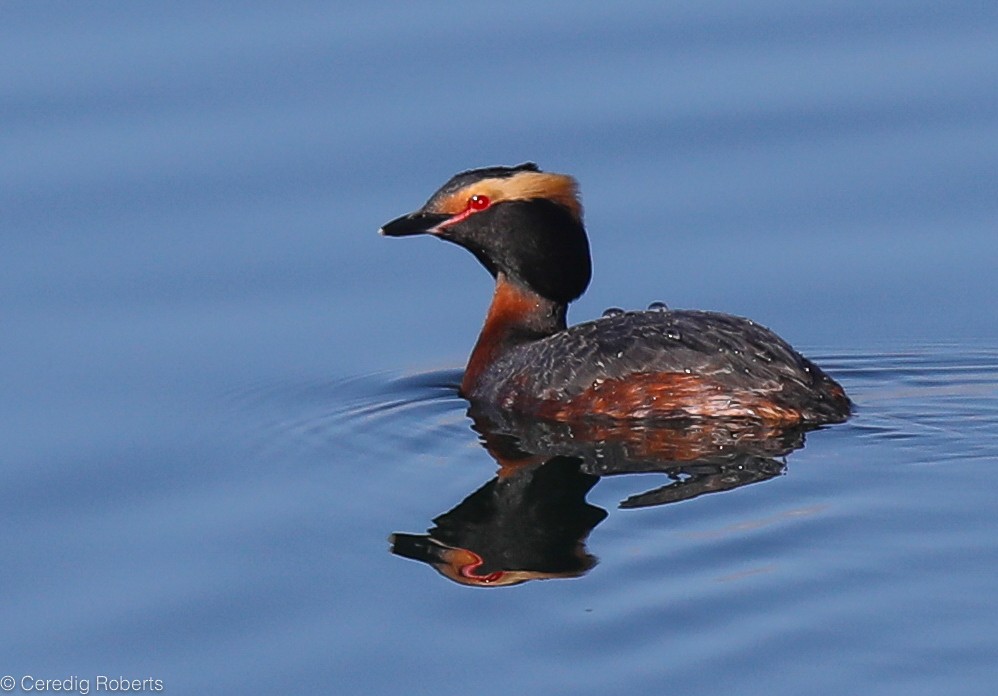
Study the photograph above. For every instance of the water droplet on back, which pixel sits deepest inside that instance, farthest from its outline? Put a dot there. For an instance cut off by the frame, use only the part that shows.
(612, 312)
(658, 307)
(673, 334)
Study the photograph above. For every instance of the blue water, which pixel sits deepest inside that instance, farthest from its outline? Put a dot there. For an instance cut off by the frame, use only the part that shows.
(223, 391)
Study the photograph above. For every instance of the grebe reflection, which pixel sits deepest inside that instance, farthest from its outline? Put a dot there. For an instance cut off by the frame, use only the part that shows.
(531, 521)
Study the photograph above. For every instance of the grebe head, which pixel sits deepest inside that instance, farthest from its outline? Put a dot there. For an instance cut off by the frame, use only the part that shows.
(520, 223)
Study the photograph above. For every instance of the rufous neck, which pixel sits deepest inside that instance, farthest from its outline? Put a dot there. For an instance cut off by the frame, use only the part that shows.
(516, 315)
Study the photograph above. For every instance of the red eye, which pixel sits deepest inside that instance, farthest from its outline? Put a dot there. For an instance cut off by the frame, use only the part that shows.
(479, 202)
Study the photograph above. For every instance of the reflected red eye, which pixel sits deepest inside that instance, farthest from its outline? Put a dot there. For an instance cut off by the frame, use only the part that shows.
(478, 202)
(468, 571)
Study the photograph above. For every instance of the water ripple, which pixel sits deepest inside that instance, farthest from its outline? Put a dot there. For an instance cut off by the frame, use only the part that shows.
(374, 413)
(938, 402)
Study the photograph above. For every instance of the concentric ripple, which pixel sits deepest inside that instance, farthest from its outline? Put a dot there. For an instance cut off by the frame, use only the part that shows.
(374, 414)
(937, 402)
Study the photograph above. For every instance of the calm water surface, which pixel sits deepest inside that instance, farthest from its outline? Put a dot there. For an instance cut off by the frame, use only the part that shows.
(223, 392)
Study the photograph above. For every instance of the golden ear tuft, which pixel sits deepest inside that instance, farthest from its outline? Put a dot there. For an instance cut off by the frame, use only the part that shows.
(559, 188)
